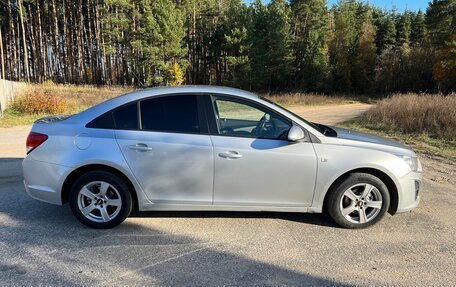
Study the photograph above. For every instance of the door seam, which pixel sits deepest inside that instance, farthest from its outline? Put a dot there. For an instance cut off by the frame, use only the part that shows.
(213, 170)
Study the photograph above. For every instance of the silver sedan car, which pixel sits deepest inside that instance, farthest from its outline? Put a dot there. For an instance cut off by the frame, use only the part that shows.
(213, 148)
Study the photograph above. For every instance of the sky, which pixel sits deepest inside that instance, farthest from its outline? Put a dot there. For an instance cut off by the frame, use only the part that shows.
(400, 5)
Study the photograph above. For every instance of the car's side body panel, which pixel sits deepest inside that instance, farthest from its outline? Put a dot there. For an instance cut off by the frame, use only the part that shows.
(268, 173)
(177, 169)
(71, 147)
(334, 160)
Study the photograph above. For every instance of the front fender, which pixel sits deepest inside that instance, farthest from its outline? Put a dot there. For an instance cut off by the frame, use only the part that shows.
(335, 161)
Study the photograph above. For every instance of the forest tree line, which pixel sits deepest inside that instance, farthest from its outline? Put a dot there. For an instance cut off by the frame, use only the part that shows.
(299, 45)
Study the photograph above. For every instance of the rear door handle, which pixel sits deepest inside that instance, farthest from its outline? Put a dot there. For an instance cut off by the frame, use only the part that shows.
(230, 155)
(140, 147)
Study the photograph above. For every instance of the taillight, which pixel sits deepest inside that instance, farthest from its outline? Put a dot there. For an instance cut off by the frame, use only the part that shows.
(34, 140)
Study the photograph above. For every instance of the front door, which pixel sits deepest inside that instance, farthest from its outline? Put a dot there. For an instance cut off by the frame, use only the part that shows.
(255, 164)
(170, 158)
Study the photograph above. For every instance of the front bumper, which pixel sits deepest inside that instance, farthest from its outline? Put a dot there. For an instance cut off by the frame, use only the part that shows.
(43, 181)
(409, 191)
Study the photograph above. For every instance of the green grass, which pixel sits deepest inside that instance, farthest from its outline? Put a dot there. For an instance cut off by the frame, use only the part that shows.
(422, 143)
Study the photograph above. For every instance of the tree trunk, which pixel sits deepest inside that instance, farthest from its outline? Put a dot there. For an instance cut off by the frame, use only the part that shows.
(1, 54)
(41, 40)
(65, 44)
(12, 43)
(31, 29)
(56, 49)
(24, 42)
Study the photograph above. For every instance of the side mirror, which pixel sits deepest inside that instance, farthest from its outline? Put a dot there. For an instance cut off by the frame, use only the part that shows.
(295, 134)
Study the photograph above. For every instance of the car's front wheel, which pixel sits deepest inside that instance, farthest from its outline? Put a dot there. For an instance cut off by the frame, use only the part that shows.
(359, 201)
(100, 199)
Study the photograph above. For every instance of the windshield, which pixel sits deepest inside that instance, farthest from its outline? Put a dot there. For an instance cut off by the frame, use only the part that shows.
(317, 127)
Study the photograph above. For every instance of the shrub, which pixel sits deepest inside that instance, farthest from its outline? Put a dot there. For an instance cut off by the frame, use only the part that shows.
(35, 102)
(434, 115)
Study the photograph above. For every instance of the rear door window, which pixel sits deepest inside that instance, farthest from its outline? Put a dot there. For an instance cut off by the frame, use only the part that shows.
(126, 117)
(176, 113)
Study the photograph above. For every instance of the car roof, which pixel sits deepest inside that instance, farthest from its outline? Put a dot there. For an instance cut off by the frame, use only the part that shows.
(194, 89)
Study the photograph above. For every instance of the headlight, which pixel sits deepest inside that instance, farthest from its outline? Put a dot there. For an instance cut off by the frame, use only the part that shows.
(411, 161)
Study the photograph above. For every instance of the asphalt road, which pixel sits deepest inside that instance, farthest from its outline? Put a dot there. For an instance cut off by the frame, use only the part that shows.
(42, 245)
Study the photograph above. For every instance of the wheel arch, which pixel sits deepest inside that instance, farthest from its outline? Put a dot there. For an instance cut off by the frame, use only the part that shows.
(385, 178)
(71, 178)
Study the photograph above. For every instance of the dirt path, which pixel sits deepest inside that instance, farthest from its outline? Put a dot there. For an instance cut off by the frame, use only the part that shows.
(331, 114)
(12, 140)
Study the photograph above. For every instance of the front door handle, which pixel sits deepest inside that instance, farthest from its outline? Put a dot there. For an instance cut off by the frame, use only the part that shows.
(230, 155)
(140, 147)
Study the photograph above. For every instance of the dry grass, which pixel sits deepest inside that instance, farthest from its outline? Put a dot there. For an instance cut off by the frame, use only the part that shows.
(310, 99)
(434, 115)
(79, 97)
(48, 99)
(70, 99)
(36, 103)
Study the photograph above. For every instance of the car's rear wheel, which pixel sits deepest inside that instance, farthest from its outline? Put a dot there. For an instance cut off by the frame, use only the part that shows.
(359, 201)
(100, 199)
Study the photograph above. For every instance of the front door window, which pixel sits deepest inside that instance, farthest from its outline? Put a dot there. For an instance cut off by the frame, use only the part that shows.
(244, 119)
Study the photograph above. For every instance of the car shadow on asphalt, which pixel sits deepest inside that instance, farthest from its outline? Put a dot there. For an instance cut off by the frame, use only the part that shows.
(307, 218)
(43, 244)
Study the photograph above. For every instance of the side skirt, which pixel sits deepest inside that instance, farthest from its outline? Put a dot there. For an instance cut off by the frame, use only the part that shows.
(202, 207)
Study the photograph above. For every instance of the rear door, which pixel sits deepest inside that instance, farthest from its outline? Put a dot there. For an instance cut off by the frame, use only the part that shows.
(255, 164)
(169, 152)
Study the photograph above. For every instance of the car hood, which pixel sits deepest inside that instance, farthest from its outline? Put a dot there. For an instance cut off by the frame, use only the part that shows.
(366, 137)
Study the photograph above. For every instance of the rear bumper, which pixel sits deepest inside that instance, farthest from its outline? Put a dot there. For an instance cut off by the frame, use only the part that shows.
(43, 181)
(409, 191)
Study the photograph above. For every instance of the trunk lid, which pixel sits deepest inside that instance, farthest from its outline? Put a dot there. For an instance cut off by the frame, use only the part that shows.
(52, 119)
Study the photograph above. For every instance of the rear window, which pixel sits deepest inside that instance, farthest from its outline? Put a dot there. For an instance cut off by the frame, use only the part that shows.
(126, 117)
(104, 121)
(177, 113)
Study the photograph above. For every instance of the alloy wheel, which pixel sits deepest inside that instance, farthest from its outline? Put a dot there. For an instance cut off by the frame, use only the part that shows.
(361, 203)
(99, 201)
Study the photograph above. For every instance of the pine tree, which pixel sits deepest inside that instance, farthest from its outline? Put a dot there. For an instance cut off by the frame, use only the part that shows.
(418, 32)
(160, 38)
(343, 45)
(403, 33)
(389, 34)
(366, 55)
(271, 52)
(310, 47)
(441, 21)
(235, 23)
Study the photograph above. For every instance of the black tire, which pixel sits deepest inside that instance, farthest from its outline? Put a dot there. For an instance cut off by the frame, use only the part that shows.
(117, 183)
(336, 195)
